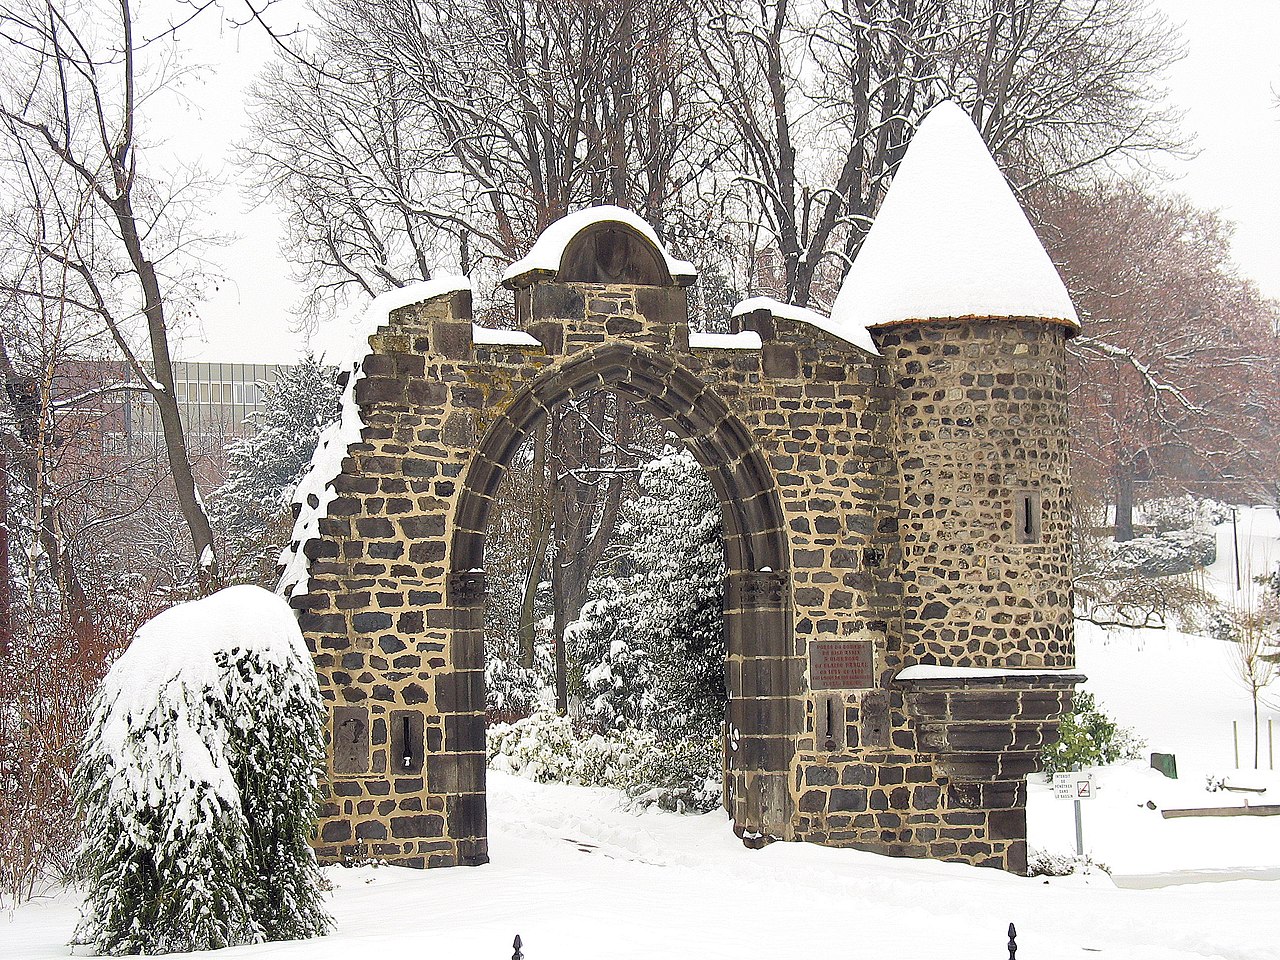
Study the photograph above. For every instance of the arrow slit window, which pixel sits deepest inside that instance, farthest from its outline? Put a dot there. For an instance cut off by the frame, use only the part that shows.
(1026, 516)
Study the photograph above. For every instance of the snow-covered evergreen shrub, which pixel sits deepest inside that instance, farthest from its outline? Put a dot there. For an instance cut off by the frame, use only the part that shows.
(1186, 512)
(682, 775)
(679, 555)
(1088, 737)
(616, 675)
(251, 509)
(650, 643)
(198, 783)
(1166, 554)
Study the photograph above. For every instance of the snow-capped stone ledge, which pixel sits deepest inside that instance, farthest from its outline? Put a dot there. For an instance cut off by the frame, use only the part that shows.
(858, 336)
(548, 249)
(350, 339)
(930, 671)
(745, 340)
(488, 336)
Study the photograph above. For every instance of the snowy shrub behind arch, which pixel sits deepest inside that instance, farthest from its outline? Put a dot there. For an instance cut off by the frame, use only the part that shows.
(198, 783)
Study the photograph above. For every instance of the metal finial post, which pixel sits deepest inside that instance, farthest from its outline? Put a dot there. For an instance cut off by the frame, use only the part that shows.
(1013, 942)
(516, 945)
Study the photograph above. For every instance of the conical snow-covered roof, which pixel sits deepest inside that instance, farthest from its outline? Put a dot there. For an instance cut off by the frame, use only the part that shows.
(951, 240)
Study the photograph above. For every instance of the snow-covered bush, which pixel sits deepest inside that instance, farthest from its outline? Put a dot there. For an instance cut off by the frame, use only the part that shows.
(547, 748)
(1046, 863)
(1088, 737)
(683, 775)
(1166, 554)
(1186, 512)
(198, 783)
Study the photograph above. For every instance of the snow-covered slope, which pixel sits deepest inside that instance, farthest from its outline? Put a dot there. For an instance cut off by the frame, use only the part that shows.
(950, 240)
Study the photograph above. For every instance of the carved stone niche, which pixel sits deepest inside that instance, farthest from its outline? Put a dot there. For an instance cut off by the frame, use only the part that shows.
(350, 747)
(611, 253)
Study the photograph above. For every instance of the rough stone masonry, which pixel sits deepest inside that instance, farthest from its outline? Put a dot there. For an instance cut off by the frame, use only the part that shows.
(898, 603)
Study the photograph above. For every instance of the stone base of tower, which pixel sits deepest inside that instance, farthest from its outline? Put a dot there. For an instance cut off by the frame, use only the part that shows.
(951, 784)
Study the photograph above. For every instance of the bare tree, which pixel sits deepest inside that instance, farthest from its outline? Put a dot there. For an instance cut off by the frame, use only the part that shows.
(1177, 369)
(820, 101)
(73, 101)
(460, 129)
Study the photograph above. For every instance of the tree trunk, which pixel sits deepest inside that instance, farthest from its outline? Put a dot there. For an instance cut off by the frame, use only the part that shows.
(1124, 504)
(539, 531)
(6, 589)
(164, 395)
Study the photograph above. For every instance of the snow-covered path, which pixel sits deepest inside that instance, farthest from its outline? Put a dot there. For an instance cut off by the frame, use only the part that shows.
(578, 876)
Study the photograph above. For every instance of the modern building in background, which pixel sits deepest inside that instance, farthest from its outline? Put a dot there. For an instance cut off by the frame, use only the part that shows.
(216, 402)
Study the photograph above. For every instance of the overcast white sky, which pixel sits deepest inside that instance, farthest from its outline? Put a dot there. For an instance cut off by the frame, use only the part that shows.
(1227, 84)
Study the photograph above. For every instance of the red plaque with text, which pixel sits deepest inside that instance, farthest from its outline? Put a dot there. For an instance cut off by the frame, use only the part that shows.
(841, 664)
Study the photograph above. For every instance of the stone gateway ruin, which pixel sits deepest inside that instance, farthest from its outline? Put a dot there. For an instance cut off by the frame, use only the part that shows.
(894, 488)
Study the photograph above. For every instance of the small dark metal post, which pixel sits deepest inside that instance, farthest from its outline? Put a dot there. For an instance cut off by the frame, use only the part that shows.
(517, 945)
(1013, 942)
(1235, 545)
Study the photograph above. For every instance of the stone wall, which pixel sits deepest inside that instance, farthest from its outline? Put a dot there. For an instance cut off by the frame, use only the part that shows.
(981, 428)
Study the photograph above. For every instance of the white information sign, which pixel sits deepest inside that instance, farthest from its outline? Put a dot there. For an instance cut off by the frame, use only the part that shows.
(1072, 786)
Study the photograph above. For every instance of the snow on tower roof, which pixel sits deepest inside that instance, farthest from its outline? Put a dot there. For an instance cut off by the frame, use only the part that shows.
(951, 240)
(548, 249)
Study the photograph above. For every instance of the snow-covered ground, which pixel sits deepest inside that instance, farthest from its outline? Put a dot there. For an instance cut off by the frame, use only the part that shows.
(578, 875)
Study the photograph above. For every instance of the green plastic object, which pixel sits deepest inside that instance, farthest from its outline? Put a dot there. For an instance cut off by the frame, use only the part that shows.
(1166, 763)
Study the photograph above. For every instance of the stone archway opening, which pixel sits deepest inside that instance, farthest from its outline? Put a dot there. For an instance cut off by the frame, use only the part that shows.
(604, 574)
(760, 669)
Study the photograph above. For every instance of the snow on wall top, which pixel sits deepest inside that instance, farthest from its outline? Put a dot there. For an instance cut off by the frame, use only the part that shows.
(858, 336)
(548, 249)
(315, 490)
(930, 671)
(951, 241)
(350, 340)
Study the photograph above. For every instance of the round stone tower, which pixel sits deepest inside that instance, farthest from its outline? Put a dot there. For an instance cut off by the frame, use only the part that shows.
(972, 319)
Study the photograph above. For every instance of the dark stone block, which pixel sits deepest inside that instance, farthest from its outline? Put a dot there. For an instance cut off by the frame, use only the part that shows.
(849, 801)
(813, 801)
(371, 830)
(662, 305)
(451, 339)
(622, 326)
(419, 826)
(468, 817)
(464, 733)
(454, 773)
(336, 831)
(371, 622)
(390, 644)
(557, 300)
(937, 610)
(1008, 825)
(460, 691)
(780, 362)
